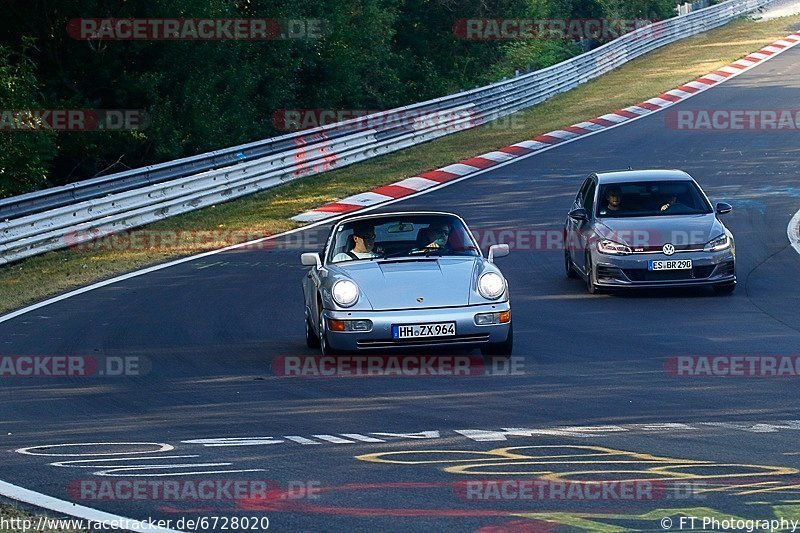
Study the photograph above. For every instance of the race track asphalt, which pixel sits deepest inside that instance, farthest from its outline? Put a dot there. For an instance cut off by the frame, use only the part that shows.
(209, 329)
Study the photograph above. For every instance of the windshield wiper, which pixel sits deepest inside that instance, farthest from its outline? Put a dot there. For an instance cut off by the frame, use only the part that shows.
(396, 254)
(428, 251)
(440, 251)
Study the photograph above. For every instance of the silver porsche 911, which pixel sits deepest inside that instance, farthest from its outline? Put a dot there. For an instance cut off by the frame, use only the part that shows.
(405, 280)
(648, 228)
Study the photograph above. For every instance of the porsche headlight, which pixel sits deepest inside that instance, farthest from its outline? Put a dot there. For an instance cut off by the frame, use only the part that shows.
(606, 246)
(491, 286)
(719, 243)
(345, 292)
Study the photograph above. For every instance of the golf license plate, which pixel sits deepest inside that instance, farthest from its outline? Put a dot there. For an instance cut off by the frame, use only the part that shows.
(671, 264)
(416, 331)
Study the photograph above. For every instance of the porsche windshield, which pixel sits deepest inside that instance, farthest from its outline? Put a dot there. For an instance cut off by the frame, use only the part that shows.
(651, 198)
(401, 236)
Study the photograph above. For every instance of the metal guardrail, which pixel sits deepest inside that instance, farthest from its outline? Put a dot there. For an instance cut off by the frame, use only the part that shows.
(63, 216)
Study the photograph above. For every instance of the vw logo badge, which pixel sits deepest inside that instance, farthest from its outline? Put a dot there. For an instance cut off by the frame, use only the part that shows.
(668, 249)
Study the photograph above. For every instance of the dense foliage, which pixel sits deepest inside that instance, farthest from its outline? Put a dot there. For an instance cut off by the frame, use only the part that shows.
(203, 95)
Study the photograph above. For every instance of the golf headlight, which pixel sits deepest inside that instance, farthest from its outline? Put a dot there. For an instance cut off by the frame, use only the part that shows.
(345, 292)
(491, 286)
(606, 246)
(720, 243)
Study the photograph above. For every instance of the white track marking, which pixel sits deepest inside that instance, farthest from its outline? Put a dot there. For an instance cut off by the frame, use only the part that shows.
(730, 70)
(699, 84)
(591, 126)
(459, 169)
(364, 198)
(683, 94)
(334, 439)
(71, 509)
(561, 134)
(718, 78)
(660, 102)
(416, 183)
(162, 448)
(93, 463)
(300, 440)
(638, 110)
(364, 438)
(613, 117)
(499, 157)
(531, 145)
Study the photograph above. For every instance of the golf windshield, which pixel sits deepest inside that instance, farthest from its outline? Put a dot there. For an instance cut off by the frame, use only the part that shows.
(651, 198)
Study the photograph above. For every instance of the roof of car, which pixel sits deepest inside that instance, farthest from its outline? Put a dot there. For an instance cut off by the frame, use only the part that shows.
(627, 176)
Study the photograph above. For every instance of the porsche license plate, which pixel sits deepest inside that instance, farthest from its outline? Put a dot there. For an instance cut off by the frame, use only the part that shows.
(672, 264)
(415, 331)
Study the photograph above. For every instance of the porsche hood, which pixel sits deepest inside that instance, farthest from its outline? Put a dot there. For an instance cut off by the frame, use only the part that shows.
(416, 284)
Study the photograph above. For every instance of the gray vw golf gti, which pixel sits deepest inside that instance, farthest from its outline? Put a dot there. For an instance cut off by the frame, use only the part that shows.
(647, 228)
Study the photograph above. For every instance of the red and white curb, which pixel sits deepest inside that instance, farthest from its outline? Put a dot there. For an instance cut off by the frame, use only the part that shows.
(435, 178)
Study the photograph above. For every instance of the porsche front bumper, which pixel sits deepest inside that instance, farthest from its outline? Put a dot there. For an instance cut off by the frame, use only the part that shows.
(468, 333)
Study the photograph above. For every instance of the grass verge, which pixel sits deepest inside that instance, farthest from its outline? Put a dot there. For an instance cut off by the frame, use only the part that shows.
(268, 212)
(14, 520)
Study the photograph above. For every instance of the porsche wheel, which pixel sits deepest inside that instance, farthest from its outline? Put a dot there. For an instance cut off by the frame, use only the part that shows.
(324, 347)
(312, 341)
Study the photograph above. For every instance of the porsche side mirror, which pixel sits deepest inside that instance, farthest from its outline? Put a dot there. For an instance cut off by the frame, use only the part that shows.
(497, 250)
(311, 259)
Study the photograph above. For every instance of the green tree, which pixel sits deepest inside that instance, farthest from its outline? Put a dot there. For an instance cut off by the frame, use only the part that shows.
(24, 155)
(206, 95)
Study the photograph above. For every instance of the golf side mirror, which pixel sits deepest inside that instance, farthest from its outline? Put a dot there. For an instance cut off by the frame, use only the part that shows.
(579, 214)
